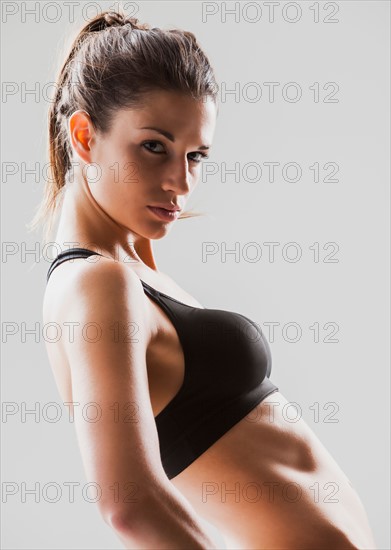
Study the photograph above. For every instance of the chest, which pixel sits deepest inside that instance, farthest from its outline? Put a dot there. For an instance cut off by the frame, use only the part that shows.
(197, 355)
(165, 360)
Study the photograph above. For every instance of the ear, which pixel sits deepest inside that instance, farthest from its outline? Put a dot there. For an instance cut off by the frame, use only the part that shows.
(81, 134)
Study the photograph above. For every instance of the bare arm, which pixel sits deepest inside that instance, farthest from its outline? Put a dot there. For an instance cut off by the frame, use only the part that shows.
(168, 522)
(114, 420)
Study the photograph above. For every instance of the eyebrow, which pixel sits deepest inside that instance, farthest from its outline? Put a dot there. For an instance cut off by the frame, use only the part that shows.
(168, 135)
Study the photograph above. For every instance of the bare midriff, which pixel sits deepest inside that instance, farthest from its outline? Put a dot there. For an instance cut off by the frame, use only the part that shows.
(269, 483)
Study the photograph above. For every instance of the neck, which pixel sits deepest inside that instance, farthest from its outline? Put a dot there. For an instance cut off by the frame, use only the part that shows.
(83, 223)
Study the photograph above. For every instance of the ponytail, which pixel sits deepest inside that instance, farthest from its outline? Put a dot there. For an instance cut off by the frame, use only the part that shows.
(112, 63)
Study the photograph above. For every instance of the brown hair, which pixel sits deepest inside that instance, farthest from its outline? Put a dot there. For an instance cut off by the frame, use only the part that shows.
(113, 63)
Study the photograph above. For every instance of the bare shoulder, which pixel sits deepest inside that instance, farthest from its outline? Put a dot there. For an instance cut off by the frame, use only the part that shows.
(108, 283)
(106, 356)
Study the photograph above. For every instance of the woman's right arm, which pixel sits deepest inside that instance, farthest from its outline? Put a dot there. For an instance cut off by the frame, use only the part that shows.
(113, 416)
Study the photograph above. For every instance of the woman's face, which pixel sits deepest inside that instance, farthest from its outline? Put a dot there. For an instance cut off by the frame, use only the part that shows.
(137, 167)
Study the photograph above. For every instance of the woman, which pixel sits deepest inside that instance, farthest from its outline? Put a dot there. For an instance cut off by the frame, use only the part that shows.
(177, 418)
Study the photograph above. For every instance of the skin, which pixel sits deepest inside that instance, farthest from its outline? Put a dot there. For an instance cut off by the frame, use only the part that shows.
(111, 212)
(263, 448)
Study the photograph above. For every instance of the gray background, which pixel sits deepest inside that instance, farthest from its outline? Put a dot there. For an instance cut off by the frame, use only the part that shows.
(352, 212)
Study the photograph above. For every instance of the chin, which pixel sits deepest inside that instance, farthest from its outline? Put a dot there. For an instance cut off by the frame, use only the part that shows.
(160, 233)
(155, 232)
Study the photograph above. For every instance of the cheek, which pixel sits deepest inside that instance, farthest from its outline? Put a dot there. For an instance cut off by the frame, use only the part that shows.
(117, 182)
(127, 177)
(125, 166)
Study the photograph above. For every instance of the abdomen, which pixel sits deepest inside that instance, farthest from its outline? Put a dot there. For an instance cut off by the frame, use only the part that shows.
(268, 483)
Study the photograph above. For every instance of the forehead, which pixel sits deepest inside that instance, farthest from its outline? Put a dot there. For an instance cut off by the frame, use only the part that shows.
(175, 112)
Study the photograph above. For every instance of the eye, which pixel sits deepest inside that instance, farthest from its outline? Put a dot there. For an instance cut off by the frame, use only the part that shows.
(154, 143)
(202, 155)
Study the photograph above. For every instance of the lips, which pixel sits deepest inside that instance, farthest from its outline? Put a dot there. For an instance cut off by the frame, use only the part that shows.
(164, 213)
(169, 207)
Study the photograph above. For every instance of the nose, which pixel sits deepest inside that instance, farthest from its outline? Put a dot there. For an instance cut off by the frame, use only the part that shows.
(177, 178)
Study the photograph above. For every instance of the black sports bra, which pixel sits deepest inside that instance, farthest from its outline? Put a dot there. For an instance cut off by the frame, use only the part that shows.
(227, 369)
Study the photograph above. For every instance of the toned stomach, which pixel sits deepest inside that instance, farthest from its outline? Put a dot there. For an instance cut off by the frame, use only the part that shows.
(266, 483)
(269, 483)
